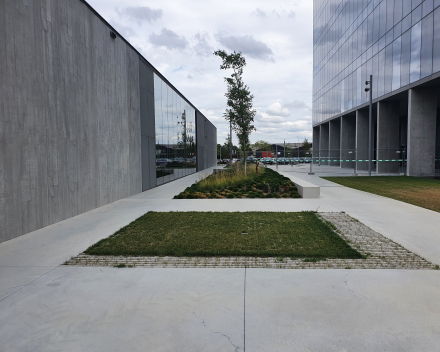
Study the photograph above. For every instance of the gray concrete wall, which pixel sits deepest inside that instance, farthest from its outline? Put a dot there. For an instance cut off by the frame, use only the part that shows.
(348, 140)
(388, 120)
(362, 133)
(70, 114)
(148, 129)
(422, 120)
(335, 141)
(206, 143)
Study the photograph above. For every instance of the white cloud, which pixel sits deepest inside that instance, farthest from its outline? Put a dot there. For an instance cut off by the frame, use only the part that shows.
(142, 13)
(203, 47)
(168, 39)
(183, 35)
(246, 44)
(259, 13)
(277, 110)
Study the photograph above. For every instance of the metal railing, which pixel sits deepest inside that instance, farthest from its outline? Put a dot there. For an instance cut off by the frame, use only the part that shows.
(384, 161)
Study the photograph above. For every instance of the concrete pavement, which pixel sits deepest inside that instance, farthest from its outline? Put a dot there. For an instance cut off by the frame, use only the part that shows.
(45, 306)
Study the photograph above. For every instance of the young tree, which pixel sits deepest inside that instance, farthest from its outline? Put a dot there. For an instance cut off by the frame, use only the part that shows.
(262, 146)
(239, 110)
(306, 146)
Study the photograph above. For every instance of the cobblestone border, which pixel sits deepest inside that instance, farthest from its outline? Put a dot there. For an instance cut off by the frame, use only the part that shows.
(380, 252)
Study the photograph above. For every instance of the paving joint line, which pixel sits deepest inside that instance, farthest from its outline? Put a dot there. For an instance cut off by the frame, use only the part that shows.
(29, 283)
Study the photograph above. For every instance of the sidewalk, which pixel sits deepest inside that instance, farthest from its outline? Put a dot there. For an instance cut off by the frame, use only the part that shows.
(44, 306)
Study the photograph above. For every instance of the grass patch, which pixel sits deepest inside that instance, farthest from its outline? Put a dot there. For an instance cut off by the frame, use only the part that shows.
(423, 192)
(261, 234)
(233, 183)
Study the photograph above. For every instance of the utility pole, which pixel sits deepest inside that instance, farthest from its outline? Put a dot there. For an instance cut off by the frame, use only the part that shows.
(284, 150)
(370, 116)
(230, 142)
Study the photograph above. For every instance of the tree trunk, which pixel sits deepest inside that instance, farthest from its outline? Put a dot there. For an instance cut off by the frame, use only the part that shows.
(244, 152)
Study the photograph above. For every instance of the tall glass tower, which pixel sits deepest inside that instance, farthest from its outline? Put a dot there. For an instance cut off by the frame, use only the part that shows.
(398, 42)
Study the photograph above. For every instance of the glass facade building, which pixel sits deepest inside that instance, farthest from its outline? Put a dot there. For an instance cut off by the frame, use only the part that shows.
(396, 41)
(175, 121)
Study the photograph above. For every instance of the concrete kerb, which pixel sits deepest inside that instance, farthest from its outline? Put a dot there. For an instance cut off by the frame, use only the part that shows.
(306, 189)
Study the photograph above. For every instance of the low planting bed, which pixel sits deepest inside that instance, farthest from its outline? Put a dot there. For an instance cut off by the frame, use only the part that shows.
(249, 240)
(202, 234)
(232, 183)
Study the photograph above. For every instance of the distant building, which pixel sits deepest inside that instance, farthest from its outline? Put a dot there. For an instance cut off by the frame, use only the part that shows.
(398, 42)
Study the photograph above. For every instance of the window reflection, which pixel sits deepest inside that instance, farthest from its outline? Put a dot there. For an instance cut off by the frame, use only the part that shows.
(175, 134)
(381, 37)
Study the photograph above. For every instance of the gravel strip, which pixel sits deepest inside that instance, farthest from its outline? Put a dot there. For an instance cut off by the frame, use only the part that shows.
(380, 252)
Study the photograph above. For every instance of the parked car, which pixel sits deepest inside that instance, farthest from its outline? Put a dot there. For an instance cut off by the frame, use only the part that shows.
(267, 160)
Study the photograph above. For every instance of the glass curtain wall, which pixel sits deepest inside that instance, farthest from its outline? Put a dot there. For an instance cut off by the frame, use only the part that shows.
(397, 41)
(175, 134)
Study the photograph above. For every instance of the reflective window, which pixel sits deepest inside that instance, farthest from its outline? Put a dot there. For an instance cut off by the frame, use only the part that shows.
(406, 23)
(416, 15)
(416, 3)
(426, 53)
(381, 74)
(390, 14)
(398, 11)
(388, 68)
(416, 43)
(428, 6)
(175, 134)
(397, 47)
(406, 7)
(405, 58)
(436, 45)
(397, 41)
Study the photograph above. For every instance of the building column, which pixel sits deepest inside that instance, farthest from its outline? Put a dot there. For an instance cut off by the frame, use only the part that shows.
(315, 145)
(362, 132)
(437, 148)
(335, 141)
(348, 140)
(422, 120)
(388, 136)
(324, 143)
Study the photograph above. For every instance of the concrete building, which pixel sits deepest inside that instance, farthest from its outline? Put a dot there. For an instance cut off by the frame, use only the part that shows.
(398, 42)
(85, 120)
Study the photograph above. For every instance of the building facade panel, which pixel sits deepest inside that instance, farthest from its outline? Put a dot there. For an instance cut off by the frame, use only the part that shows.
(206, 143)
(84, 117)
(398, 43)
(395, 40)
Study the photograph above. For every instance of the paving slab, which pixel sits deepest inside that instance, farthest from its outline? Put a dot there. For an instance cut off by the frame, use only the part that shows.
(44, 307)
(109, 309)
(14, 278)
(342, 310)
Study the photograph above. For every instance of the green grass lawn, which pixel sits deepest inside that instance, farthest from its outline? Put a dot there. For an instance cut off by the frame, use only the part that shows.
(262, 234)
(423, 192)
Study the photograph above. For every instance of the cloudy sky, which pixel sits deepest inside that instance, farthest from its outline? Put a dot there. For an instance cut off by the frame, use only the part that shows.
(179, 37)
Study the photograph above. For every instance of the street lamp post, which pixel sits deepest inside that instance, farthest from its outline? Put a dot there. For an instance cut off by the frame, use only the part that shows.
(370, 115)
(230, 142)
